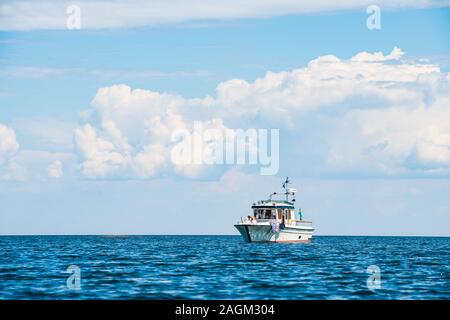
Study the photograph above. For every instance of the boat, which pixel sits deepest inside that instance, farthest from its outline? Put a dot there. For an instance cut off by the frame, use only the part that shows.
(276, 220)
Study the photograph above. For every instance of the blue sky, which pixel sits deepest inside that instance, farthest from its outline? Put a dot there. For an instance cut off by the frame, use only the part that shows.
(368, 156)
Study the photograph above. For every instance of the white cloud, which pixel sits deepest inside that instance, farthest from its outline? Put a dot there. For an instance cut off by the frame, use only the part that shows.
(396, 54)
(135, 131)
(8, 143)
(55, 169)
(326, 82)
(133, 111)
(9, 147)
(101, 157)
(372, 114)
(134, 138)
(51, 14)
(393, 141)
(149, 160)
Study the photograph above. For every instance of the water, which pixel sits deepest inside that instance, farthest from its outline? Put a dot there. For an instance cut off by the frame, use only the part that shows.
(222, 267)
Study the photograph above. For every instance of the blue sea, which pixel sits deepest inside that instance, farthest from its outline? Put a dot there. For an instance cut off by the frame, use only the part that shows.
(223, 267)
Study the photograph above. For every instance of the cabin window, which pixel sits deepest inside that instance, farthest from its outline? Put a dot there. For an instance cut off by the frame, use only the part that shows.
(280, 213)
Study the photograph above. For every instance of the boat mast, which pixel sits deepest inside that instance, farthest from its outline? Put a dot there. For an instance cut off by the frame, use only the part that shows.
(285, 187)
(287, 191)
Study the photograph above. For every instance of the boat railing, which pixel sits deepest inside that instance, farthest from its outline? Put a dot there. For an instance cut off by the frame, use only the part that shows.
(303, 223)
(298, 223)
(245, 220)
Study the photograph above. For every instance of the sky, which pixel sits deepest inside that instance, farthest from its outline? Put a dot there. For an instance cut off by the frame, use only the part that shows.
(87, 115)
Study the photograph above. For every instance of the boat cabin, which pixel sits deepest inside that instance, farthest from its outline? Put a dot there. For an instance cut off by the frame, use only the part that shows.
(274, 209)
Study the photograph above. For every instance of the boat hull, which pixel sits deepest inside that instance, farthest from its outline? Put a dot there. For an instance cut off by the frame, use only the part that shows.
(264, 233)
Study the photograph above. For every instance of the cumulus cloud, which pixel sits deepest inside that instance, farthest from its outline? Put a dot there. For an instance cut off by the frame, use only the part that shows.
(8, 143)
(326, 81)
(55, 169)
(134, 135)
(51, 14)
(100, 156)
(364, 56)
(122, 142)
(9, 168)
(371, 114)
(393, 141)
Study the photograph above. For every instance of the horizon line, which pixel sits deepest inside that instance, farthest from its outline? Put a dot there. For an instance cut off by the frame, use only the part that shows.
(208, 235)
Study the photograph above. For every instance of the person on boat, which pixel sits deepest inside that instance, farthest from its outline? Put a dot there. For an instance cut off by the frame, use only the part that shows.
(282, 225)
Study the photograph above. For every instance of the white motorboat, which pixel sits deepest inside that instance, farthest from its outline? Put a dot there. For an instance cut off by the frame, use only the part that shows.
(276, 220)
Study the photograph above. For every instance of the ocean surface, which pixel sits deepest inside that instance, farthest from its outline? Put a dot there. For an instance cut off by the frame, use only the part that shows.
(223, 267)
